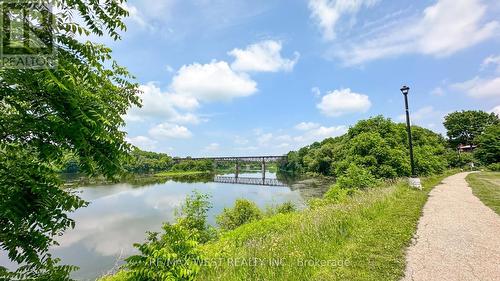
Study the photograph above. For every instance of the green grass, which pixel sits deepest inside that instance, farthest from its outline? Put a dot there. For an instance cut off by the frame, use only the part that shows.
(362, 239)
(486, 186)
(180, 173)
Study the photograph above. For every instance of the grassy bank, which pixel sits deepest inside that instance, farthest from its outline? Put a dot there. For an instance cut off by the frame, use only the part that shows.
(486, 186)
(362, 239)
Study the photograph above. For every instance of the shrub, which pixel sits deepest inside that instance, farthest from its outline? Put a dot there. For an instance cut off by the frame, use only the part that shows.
(193, 216)
(356, 178)
(459, 160)
(172, 256)
(335, 194)
(283, 208)
(244, 211)
(287, 207)
(494, 167)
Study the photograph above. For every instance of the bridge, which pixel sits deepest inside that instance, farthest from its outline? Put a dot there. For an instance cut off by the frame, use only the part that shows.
(237, 159)
(243, 159)
(249, 181)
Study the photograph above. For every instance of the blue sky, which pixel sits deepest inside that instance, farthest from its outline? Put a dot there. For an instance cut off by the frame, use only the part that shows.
(233, 77)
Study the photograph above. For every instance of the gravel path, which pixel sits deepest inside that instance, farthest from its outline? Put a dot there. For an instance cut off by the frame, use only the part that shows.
(458, 237)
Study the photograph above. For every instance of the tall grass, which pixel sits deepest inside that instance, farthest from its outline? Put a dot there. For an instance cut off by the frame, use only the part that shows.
(361, 239)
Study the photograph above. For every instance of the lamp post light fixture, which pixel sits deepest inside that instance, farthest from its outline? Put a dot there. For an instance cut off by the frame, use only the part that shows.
(414, 180)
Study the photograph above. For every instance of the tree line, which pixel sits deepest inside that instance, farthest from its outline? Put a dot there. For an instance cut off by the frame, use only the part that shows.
(381, 147)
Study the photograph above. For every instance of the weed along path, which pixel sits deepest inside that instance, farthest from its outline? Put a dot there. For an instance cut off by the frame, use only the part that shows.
(458, 237)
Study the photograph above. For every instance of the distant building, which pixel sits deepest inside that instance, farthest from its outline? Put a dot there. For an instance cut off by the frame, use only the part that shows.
(466, 148)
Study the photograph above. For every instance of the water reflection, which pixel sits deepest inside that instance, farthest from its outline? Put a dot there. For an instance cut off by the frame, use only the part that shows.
(248, 180)
(120, 214)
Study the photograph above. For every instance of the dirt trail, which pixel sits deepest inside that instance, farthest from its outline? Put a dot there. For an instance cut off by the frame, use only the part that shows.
(458, 237)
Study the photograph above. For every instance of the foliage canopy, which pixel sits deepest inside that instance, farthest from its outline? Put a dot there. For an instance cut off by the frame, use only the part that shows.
(74, 108)
(376, 145)
(464, 126)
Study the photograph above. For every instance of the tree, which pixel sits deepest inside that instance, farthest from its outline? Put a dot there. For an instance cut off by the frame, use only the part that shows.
(378, 145)
(75, 108)
(464, 126)
(174, 254)
(244, 211)
(488, 150)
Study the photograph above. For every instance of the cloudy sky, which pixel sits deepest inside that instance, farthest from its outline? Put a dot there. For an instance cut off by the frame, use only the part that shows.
(234, 77)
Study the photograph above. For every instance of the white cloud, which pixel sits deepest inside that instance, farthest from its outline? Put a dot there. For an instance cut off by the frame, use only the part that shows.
(305, 126)
(343, 101)
(142, 142)
(264, 139)
(158, 104)
(327, 13)
(491, 60)
(212, 147)
(442, 29)
(420, 114)
(320, 133)
(170, 131)
(187, 118)
(316, 92)
(136, 16)
(480, 87)
(264, 56)
(427, 117)
(169, 69)
(214, 81)
(496, 110)
(309, 133)
(240, 140)
(438, 91)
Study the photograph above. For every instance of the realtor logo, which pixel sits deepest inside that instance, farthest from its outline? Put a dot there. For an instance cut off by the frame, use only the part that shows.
(27, 35)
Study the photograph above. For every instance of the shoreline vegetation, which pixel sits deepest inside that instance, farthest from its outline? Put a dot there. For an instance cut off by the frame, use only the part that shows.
(362, 236)
(358, 230)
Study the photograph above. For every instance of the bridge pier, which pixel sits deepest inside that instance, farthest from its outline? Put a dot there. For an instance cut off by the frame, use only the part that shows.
(263, 168)
(236, 174)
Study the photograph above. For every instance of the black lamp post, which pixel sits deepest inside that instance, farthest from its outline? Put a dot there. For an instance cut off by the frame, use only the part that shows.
(405, 90)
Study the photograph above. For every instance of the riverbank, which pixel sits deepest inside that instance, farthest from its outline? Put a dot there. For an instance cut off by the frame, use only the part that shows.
(363, 238)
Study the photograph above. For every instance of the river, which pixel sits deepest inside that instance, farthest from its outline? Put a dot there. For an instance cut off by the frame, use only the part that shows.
(118, 215)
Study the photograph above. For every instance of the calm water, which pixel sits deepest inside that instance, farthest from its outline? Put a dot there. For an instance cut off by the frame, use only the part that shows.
(118, 216)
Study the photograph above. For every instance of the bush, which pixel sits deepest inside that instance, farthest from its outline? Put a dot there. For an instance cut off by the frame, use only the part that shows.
(244, 211)
(494, 167)
(283, 208)
(193, 216)
(173, 256)
(336, 194)
(459, 160)
(356, 178)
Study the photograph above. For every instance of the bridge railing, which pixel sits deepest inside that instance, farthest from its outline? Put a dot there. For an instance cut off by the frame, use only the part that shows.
(249, 181)
(237, 159)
